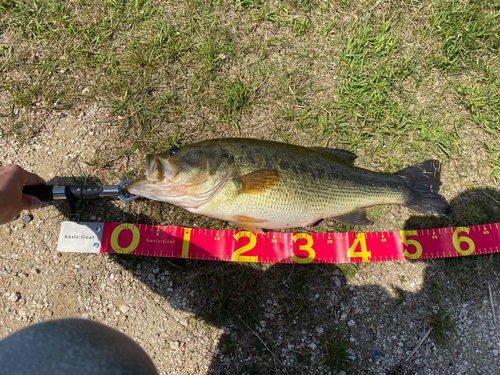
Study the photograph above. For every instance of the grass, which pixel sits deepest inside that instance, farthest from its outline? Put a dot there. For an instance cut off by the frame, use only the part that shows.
(336, 353)
(132, 55)
(442, 324)
(223, 300)
(468, 33)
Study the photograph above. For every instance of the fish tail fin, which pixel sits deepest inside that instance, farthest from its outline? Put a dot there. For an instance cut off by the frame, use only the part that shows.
(423, 180)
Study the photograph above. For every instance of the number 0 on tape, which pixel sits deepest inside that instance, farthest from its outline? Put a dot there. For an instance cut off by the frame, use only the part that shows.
(276, 247)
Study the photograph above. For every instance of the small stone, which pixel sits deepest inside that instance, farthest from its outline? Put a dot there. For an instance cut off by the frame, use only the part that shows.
(319, 330)
(337, 281)
(351, 323)
(463, 369)
(495, 352)
(312, 346)
(343, 316)
(123, 308)
(174, 345)
(14, 297)
(23, 313)
(27, 218)
(377, 353)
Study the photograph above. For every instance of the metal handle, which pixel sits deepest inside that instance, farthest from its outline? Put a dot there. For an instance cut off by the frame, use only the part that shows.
(49, 192)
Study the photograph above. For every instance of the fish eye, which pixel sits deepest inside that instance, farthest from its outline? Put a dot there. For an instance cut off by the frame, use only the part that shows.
(173, 151)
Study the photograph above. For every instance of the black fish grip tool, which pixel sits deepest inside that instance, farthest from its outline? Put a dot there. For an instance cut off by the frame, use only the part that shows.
(74, 193)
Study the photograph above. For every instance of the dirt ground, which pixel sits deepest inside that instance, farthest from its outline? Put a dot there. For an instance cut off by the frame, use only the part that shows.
(384, 309)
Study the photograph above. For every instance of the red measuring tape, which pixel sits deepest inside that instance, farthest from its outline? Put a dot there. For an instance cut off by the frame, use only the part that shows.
(276, 247)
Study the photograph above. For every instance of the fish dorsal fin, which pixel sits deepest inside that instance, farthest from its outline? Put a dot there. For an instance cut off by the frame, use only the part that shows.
(356, 217)
(258, 181)
(347, 157)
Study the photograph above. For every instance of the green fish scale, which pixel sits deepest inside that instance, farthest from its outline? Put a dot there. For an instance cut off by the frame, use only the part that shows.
(312, 185)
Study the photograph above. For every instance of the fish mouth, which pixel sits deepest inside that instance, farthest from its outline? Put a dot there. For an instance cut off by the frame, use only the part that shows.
(190, 194)
(159, 169)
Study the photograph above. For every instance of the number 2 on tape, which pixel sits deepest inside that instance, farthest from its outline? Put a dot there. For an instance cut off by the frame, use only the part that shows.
(249, 246)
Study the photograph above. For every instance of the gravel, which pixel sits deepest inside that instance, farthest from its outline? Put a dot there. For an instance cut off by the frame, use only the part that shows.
(165, 310)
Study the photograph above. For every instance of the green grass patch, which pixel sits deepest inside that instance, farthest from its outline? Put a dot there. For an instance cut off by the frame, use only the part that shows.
(336, 352)
(233, 99)
(230, 293)
(469, 32)
(483, 103)
(442, 324)
(494, 152)
(348, 269)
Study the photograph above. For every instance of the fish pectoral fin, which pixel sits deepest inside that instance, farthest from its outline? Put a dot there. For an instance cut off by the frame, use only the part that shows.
(258, 181)
(356, 217)
(347, 157)
(249, 223)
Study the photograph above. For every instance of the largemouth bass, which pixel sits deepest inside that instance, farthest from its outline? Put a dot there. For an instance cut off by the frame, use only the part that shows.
(260, 184)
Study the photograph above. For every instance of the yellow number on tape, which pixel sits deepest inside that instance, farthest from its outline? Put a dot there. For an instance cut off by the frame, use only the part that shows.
(418, 248)
(249, 246)
(185, 242)
(136, 235)
(457, 240)
(364, 254)
(307, 247)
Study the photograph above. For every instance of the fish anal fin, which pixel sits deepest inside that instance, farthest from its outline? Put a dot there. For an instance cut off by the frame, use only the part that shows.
(356, 217)
(258, 181)
(249, 223)
(347, 157)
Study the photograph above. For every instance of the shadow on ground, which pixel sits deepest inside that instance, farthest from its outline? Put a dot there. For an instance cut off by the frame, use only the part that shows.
(320, 318)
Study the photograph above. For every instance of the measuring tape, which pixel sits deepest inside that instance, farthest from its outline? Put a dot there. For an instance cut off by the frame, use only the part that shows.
(276, 247)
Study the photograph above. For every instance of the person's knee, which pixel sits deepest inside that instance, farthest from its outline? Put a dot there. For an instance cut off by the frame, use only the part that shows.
(73, 346)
